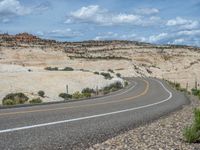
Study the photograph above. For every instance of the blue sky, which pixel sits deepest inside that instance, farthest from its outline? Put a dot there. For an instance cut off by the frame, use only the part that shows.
(153, 21)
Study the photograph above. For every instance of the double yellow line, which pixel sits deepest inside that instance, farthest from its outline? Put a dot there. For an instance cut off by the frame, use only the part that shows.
(88, 105)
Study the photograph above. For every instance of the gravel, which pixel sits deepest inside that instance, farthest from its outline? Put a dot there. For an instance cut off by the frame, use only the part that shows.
(162, 134)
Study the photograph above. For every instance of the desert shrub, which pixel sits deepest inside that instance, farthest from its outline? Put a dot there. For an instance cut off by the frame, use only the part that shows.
(96, 72)
(177, 86)
(51, 68)
(65, 96)
(77, 95)
(67, 69)
(196, 92)
(118, 75)
(192, 133)
(86, 95)
(106, 75)
(41, 93)
(35, 101)
(110, 70)
(88, 90)
(8, 102)
(17, 98)
(112, 87)
(183, 89)
(126, 83)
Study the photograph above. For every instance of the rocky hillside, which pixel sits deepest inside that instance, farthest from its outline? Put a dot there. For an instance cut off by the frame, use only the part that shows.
(130, 58)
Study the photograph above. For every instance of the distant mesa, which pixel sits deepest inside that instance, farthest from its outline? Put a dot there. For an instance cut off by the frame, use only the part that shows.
(21, 37)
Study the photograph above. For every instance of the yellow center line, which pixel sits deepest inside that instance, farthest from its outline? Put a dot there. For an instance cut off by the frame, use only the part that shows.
(88, 105)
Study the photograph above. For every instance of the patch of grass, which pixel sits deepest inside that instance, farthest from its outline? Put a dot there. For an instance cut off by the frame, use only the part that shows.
(35, 101)
(16, 98)
(192, 133)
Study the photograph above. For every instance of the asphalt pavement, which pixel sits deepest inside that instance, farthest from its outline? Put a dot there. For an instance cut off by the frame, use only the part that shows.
(78, 125)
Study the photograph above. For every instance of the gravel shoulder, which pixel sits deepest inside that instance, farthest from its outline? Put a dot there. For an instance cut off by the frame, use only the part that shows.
(162, 134)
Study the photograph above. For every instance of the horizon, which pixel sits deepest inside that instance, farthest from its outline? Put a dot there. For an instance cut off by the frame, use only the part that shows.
(152, 22)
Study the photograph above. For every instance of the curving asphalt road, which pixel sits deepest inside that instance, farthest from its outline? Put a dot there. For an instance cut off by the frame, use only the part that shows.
(81, 124)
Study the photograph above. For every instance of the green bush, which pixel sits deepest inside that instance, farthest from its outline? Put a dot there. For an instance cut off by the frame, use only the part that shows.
(86, 95)
(67, 69)
(112, 87)
(35, 101)
(126, 83)
(192, 133)
(110, 70)
(106, 75)
(8, 102)
(77, 95)
(17, 98)
(196, 92)
(88, 90)
(96, 72)
(41, 93)
(65, 96)
(177, 86)
(51, 68)
(118, 75)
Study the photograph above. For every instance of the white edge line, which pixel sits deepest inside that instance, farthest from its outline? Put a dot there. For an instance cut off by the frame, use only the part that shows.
(93, 116)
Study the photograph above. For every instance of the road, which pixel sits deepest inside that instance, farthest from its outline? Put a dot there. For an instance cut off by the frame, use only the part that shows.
(78, 125)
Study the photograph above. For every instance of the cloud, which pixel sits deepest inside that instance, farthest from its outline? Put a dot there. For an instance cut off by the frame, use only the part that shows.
(41, 7)
(12, 8)
(106, 36)
(147, 11)
(189, 32)
(96, 14)
(157, 38)
(178, 41)
(60, 34)
(183, 23)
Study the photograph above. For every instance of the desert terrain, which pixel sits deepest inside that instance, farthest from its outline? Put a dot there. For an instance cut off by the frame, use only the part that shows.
(23, 58)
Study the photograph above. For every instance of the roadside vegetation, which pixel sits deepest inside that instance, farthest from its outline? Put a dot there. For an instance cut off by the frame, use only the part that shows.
(14, 99)
(106, 75)
(88, 92)
(112, 87)
(35, 101)
(192, 132)
(41, 93)
(20, 98)
(57, 69)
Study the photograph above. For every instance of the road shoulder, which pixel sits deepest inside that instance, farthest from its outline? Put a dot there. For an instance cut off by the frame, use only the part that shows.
(164, 133)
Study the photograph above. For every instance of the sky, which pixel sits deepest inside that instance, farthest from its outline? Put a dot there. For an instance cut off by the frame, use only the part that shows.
(152, 21)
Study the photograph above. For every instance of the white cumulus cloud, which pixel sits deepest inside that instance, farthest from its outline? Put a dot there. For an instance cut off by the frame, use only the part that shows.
(96, 14)
(147, 11)
(156, 38)
(183, 23)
